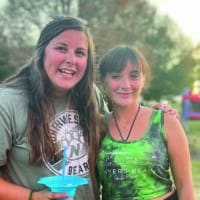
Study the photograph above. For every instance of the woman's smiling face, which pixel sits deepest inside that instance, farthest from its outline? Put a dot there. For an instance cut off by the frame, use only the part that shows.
(65, 60)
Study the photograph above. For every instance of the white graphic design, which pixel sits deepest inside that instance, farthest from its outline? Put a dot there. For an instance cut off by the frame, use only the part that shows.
(65, 131)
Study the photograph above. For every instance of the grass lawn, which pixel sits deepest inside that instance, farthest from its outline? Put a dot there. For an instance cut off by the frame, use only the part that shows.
(196, 177)
(194, 142)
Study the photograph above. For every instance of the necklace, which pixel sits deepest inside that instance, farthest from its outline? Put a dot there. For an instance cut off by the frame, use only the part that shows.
(131, 127)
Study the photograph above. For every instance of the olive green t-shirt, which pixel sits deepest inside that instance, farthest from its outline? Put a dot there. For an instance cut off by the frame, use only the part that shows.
(14, 149)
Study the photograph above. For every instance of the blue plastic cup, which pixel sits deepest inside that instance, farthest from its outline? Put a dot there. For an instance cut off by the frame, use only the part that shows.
(63, 184)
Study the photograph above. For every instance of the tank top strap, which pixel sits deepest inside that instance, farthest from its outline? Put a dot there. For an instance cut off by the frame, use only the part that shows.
(157, 124)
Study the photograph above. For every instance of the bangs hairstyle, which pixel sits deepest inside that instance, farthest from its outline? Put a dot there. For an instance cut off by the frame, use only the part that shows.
(116, 59)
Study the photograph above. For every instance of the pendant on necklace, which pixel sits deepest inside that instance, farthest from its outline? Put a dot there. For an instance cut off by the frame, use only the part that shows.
(131, 126)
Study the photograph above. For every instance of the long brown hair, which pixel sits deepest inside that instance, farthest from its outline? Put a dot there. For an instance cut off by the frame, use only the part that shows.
(33, 79)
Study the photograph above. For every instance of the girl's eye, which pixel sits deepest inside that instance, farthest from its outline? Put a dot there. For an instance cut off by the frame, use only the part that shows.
(135, 75)
(115, 76)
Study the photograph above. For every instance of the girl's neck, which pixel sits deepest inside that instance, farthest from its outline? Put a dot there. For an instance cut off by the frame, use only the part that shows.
(125, 112)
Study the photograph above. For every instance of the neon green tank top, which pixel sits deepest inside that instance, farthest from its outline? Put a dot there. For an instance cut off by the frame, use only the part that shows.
(136, 169)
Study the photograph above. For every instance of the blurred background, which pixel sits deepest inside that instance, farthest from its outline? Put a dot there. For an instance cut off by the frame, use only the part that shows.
(166, 31)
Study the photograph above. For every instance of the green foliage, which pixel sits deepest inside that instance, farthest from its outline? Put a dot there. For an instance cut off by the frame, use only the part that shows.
(111, 22)
(20, 24)
(11, 57)
(117, 22)
(137, 23)
(196, 69)
(169, 59)
(24, 19)
(196, 177)
(194, 142)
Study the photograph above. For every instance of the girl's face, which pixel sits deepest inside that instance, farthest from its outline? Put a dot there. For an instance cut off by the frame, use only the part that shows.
(124, 88)
(65, 60)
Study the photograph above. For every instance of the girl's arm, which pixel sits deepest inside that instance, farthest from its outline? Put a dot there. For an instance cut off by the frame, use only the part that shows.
(179, 156)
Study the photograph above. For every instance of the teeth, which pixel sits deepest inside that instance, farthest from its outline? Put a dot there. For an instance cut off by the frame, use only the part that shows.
(66, 71)
(63, 70)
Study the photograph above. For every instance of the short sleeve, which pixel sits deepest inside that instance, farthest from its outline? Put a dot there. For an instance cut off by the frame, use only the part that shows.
(101, 103)
(5, 134)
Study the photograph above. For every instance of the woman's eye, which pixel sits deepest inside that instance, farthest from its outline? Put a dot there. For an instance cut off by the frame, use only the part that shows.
(80, 53)
(61, 49)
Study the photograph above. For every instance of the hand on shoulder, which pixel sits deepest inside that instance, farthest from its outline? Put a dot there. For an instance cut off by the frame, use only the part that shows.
(166, 108)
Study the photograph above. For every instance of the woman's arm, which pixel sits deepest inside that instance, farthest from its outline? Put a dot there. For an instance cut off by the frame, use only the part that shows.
(179, 156)
(10, 191)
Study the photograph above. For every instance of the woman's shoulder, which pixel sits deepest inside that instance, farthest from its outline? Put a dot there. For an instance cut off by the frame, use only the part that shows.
(11, 91)
(12, 95)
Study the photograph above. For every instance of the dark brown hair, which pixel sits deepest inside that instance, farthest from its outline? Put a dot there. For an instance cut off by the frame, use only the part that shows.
(116, 59)
(33, 79)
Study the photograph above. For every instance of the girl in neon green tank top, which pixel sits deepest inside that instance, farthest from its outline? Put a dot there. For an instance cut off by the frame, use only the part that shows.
(144, 153)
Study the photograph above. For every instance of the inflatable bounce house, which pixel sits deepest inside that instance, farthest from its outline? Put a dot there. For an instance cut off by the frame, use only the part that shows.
(191, 103)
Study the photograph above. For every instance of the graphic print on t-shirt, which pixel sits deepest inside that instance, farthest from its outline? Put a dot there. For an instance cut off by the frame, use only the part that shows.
(66, 131)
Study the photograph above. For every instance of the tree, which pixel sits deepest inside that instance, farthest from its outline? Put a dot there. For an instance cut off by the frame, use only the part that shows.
(11, 57)
(24, 19)
(116, 21)
(112, 22)
(196, 57)
(170, 59)
(137, 23)
(20, 24)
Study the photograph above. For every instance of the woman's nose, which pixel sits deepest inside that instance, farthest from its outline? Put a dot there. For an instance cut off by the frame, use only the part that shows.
(70, 58)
